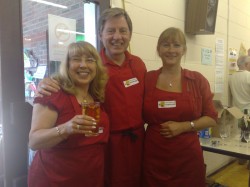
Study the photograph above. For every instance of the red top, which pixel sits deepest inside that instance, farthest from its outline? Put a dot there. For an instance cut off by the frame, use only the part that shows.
(124, 104)
(77, 161)
(176, 161)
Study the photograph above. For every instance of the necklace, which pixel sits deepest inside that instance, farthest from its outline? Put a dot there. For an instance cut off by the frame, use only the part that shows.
(85, 98)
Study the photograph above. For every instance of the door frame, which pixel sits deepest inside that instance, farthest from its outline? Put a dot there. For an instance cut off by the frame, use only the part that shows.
(15, 112)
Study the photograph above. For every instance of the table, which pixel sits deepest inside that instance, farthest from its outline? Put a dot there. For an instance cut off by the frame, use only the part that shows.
(231, 147)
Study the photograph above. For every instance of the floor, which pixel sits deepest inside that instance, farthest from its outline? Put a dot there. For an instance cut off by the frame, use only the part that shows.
(232, 175)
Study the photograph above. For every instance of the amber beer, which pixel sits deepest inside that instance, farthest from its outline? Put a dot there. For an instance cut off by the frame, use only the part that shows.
(93, 110)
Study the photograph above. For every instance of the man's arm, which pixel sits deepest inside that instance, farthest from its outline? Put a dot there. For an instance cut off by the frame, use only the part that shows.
(46, 87)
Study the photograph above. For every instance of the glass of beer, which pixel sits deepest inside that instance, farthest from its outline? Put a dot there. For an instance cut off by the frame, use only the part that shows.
(93, 110)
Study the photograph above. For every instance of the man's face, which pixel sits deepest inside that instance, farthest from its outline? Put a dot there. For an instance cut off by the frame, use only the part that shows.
(115, 36)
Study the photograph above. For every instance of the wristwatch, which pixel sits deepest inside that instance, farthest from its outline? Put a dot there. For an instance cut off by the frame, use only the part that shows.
(192, 125)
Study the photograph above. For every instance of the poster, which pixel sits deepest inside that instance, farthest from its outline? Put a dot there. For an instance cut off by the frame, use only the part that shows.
(61, 34)
(206, 56)
(232, 60)
(219, 66)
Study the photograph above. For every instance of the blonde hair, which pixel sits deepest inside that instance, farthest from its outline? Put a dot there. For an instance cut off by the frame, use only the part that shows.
(97, 85)
(173, 34)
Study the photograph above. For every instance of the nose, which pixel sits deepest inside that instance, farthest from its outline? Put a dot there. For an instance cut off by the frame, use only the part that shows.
(171, 46)
(83, 64)
(117, 35)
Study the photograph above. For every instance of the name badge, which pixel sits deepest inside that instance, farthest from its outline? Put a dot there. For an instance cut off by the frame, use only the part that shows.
(101, 129)
(166, 104)
(130, 82)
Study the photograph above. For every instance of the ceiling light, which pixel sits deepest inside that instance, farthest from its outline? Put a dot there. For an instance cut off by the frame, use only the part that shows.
(69, 31)
(49, 3)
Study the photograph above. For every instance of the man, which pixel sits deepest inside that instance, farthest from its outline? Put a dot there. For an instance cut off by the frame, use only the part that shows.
(123, 100)
(239, 84)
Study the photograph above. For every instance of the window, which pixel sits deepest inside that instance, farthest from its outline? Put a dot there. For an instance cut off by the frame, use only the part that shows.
(48, 28)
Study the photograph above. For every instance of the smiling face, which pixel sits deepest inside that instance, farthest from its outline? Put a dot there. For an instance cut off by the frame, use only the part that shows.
(171, 46)
(171, 52)
(82, 69)
(115, 36)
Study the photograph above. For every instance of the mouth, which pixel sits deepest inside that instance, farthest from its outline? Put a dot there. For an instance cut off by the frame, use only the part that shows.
(171, 57)
(117, 44)
(83, 73)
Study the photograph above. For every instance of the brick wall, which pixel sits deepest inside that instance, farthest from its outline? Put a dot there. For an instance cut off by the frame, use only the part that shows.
(35, 24)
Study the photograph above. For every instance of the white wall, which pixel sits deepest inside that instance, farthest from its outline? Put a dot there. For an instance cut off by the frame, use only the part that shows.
(151, 17)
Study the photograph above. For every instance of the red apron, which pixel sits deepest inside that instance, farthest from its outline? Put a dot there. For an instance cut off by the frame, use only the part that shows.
(123, 103)
(124, 152)
(171, 162)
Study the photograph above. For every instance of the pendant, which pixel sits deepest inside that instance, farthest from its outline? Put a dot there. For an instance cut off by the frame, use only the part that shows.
(170, 84)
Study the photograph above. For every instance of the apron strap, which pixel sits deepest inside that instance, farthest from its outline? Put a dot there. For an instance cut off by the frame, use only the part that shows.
(131, 134)
(128, 132)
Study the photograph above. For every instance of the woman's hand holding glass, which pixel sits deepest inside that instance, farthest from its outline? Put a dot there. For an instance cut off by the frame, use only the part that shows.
(81, 124)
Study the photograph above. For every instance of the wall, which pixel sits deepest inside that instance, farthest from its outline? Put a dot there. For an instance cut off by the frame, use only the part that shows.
(150, 18)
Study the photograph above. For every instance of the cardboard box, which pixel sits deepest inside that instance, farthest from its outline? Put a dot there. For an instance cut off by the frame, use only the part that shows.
(226, 116)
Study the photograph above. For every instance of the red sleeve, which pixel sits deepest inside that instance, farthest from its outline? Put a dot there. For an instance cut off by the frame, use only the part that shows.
(54, 101)
(208, 108)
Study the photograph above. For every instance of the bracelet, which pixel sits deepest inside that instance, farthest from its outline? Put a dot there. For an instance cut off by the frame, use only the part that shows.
(59, 133)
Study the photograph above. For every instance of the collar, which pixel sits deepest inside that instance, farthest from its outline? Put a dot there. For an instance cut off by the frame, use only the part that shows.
(107, 60)
(188, 74)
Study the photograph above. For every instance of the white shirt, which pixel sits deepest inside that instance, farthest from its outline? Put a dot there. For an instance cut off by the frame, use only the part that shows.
(239, 83)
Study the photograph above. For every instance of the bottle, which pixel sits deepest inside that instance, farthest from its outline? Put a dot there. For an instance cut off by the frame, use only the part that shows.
(205, 133)
(243, 122)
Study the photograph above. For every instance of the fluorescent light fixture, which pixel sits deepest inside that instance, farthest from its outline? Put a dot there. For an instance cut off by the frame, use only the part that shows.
(27, 39)
(49, 3)
(69, 31)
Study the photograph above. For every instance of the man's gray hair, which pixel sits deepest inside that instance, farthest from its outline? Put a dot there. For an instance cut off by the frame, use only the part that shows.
(242, 60)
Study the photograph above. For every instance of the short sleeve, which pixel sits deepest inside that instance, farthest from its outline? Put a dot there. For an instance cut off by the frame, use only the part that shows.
(208, 108)
(54, 101)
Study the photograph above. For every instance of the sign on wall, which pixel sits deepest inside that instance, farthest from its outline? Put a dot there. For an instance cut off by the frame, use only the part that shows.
(61, 34)
(232, 60)
(219, 65)
(206, 56)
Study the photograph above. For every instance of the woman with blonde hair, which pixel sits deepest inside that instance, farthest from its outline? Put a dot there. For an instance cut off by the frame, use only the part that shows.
(69, 153)
(177, 104)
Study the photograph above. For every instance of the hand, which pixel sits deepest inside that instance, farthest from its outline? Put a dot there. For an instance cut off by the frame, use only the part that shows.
(170, 129)
(81, 124)
(46, 86)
